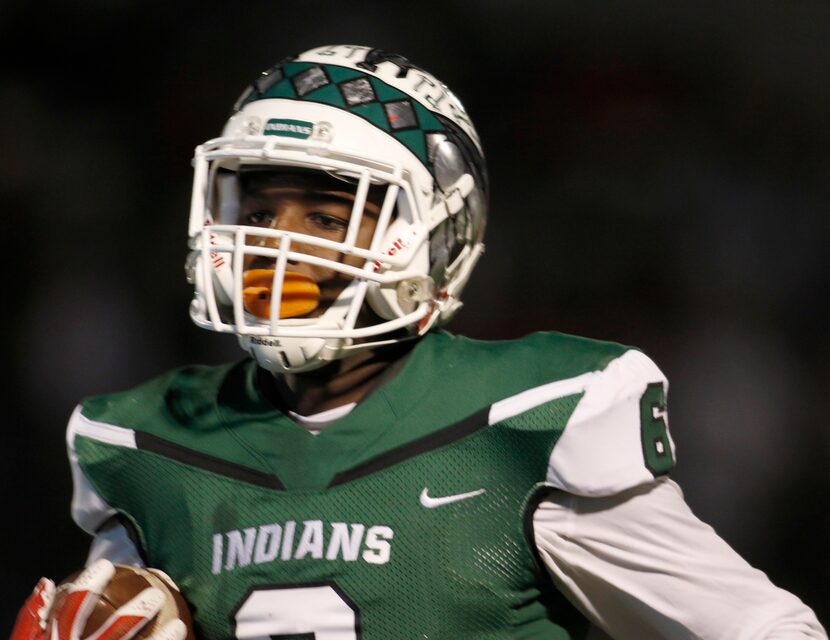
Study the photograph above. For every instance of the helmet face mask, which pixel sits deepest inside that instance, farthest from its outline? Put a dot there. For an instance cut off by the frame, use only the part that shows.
(318, 228)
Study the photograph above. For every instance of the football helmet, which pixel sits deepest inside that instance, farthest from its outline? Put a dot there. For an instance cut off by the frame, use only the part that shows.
(374, 133)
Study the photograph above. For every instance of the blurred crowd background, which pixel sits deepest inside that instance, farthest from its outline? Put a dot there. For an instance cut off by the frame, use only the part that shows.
(659, 178)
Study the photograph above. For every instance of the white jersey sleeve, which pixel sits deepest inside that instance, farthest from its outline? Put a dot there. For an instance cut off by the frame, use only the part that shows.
(640, 565)
(616, 432)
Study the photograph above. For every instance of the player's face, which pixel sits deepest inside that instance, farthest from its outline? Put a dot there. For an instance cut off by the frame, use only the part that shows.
(318, 206)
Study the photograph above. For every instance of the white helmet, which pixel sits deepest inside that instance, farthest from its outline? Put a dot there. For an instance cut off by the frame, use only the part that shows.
(375, 124)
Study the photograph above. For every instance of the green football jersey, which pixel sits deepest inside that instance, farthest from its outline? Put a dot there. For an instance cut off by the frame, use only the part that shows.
(410, 517)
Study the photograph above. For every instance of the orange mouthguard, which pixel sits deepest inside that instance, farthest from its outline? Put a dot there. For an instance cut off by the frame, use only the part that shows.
(300, 294)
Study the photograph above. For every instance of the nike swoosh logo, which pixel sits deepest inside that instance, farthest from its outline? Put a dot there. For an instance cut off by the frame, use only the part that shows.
(431, 503)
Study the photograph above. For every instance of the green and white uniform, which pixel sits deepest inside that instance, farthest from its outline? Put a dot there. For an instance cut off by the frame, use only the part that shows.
(410, 517)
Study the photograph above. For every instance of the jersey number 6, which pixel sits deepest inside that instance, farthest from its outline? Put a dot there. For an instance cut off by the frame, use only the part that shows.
(654, 431)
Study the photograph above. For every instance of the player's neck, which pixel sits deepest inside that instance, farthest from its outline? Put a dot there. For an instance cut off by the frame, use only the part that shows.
(340, 382)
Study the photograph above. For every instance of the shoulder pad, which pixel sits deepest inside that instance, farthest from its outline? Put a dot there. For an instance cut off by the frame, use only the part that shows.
(617, 436)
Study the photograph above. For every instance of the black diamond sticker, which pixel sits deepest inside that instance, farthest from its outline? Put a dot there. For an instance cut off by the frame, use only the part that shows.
(268, 79)
(358, 91)
(401, 115)
(309, 80)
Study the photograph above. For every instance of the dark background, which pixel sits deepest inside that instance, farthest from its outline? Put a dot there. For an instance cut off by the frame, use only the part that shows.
(659, 178)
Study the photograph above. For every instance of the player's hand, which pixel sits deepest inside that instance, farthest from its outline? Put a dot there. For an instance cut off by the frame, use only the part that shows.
(66, 619)
(31, 621)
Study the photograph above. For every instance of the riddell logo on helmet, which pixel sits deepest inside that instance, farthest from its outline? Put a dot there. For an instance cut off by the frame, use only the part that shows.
(288, 128)
(391, 251)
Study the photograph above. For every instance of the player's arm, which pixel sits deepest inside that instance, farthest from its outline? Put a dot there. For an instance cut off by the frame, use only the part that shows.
(111, 538)
(620, 541)
(640, 565)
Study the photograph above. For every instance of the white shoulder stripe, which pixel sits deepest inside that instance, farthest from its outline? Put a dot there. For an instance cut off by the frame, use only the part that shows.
(80, 425)
(521, 402)
(89, 509)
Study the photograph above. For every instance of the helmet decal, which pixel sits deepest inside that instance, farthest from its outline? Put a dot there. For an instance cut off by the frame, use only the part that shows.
(369, 97)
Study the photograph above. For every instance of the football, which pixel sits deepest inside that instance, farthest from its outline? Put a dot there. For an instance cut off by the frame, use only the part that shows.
(127, 583)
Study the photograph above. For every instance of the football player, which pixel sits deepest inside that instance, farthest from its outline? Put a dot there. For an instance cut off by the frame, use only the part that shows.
(362, 473)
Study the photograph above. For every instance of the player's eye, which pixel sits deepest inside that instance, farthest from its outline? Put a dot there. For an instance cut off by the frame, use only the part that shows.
(327, 222)
(258, 218)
